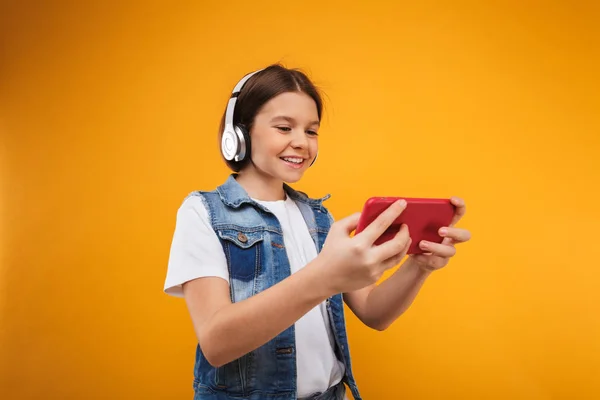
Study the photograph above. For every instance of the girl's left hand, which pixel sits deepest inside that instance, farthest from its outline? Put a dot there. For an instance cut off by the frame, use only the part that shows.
(437, 255)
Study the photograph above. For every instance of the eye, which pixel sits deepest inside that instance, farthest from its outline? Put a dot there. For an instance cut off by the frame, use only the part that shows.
(312, 133)
(284, 128)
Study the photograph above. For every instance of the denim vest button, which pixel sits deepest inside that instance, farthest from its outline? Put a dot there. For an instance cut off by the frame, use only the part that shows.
(242, 237)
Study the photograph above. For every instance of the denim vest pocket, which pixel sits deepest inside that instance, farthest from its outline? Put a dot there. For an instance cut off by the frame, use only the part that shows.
(243, 250)
(234, 377)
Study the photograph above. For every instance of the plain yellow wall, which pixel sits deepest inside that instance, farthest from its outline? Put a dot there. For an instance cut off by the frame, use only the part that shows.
(108, 119)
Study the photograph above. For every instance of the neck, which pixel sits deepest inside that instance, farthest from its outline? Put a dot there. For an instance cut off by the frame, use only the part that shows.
(260, 187)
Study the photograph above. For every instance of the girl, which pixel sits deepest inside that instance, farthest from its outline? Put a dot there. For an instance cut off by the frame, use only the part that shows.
(264, 270)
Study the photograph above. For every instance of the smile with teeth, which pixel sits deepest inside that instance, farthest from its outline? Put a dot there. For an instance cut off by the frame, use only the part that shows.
(294, 160)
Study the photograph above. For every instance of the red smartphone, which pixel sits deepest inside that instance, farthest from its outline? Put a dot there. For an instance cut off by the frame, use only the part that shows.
(424, 218)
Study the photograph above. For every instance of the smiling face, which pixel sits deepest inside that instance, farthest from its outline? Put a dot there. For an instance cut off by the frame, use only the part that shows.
(284, 138)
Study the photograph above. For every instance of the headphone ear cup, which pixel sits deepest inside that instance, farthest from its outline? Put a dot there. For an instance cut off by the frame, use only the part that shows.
(244, 143)
(229, 144)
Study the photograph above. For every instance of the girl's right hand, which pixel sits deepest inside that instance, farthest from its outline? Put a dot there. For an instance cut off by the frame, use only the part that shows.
(355, 262)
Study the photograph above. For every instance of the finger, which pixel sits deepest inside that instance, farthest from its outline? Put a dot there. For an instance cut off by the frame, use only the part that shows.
(437, 249)
(349, 223)
(383, 221)
(397, 245)
(393, 261)
(458, 235)
(448, 241)
(460, 210)
(396, 259)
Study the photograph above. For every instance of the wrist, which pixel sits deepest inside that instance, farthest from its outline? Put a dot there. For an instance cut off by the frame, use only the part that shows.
(320, 281)
(420, 267)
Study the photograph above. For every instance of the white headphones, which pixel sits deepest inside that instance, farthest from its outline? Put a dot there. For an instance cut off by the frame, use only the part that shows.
(235, 141)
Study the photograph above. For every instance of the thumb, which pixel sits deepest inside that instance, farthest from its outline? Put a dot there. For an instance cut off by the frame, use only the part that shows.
(349, 223)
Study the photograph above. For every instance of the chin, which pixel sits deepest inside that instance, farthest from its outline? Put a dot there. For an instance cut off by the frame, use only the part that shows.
(293, 180)
(292, 177)
(283, 174)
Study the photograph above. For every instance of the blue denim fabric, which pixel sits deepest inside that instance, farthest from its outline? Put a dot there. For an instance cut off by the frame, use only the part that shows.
(252, 240)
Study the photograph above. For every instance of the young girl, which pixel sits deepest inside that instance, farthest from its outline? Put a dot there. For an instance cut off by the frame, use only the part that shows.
(264, 270)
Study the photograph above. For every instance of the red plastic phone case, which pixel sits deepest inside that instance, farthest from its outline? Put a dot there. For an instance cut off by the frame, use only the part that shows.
(424, 217)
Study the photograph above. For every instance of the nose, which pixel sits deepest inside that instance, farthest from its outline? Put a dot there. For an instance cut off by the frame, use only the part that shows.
(299, 139)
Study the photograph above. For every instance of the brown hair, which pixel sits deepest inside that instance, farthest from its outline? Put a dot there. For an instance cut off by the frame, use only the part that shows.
(259, 89)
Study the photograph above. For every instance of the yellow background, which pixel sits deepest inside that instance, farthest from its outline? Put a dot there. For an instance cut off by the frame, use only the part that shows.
(109, 117)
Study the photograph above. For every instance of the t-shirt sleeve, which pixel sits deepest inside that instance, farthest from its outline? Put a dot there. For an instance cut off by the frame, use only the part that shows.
(196, 251)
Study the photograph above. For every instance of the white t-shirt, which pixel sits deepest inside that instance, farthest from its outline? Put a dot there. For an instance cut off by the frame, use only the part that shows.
(196, 252)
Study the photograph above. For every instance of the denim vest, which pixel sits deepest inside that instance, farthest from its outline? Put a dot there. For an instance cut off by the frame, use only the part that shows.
(252, 240)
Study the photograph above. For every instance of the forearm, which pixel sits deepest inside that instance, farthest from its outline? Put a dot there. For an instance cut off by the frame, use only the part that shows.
(387, 301)
(241, 327)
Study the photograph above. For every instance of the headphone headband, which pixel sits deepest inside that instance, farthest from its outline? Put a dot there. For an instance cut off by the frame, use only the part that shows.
(236, 92)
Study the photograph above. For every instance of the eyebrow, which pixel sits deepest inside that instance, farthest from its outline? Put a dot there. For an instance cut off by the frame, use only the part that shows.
(292, 120)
